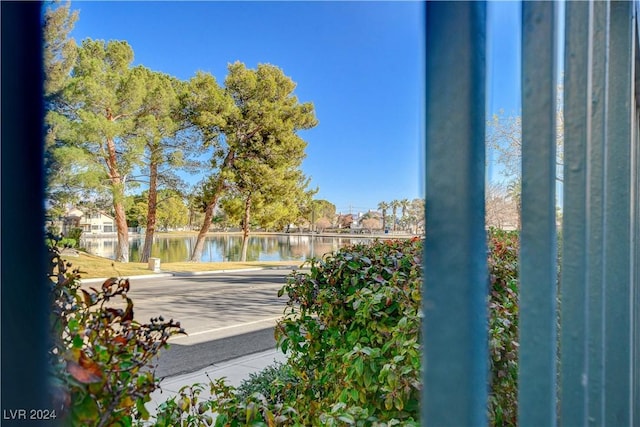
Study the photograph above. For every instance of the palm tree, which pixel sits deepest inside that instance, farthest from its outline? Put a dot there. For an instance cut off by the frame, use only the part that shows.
(416, 211)
(395, 204)
(404, 204)
(383, 206)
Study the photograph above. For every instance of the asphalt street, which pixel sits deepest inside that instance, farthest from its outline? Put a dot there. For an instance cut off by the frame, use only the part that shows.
(226, 315)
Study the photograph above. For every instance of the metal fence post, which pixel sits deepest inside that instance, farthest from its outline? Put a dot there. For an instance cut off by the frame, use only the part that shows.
(595, 213)
(574, 307)
(455, 289)
(618, 268)
(538, 261)
(635, 203)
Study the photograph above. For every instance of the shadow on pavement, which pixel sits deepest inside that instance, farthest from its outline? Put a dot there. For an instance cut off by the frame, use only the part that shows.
(182, 359)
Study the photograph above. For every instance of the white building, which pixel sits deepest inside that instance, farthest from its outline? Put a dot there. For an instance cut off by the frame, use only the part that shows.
(90, 223)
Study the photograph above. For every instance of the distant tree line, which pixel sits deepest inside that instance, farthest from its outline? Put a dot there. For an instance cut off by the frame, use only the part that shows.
(405, 214)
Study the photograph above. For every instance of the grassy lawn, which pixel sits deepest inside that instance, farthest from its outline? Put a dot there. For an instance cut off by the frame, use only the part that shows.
(93, 266)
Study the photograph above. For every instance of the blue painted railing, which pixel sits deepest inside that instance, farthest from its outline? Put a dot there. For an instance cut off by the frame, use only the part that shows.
(587, 371)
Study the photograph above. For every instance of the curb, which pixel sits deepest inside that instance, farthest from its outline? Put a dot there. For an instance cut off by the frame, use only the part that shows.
(224, 364)
(201, 273)
(143, 276)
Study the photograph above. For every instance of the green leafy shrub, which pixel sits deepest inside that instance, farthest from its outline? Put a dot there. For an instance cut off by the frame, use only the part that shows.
(352, 329)
(187, 409)
(61, 242)
(67, 242)
(75, 234)
(71, 240)
(225, 406)
(503, 326)
(276, 383)
(100, 356)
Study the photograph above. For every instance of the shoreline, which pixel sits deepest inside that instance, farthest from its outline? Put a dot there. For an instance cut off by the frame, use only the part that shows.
(95, 266)
(385, 236)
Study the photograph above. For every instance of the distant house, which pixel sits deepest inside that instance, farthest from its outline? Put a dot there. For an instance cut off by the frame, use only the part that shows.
(345, 220)
(90, 223)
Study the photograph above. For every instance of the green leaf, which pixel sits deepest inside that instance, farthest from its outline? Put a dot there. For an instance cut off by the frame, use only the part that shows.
(403, 322)
(366, 350)
(347, 418)
(392, 379)
(73, 325)
(126, 421)
(359, 365)
(78, 342)
(143, 413)
(285, 345)
(250, 412)
(368, 381)
(86, 409)
(388, 402)
(398, 403)
(184, 403)
(221, 420)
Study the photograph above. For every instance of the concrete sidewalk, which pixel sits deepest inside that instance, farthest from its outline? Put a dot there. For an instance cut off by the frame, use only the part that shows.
(234, 371)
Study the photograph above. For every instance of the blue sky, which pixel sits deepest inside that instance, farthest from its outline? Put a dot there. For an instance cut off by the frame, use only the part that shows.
(360, 63)
(503, 67)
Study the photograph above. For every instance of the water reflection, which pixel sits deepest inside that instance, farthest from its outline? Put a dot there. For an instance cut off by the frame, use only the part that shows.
(227, 247)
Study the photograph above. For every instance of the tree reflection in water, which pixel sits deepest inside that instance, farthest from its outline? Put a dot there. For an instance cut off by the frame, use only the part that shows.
(228, 247)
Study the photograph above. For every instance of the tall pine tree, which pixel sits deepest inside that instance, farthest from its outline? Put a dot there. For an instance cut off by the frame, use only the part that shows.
(59, 56)
(103, 100)
(260, 130)
(168, 146)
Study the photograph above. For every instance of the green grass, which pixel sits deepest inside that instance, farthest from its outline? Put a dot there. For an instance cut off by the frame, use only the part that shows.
(92, 266)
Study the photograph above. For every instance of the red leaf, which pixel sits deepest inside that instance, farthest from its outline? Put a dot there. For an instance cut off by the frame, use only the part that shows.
(87, 297)
(120, 340)
(109, 283)
(86, 370)
(128, 313)
(87, 363)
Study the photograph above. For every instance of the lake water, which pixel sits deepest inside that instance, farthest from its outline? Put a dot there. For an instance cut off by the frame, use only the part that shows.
(289, 247)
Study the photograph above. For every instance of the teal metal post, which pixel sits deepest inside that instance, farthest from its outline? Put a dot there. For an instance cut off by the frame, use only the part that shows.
(456, 282)
(574, 308)
(538, 262)
(635, 223)
(595, 213)
(635, 258)
(618, 269)
(635, 203)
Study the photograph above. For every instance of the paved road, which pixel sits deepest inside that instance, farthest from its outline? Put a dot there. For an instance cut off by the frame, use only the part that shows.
(209, 303)
(226, 315)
